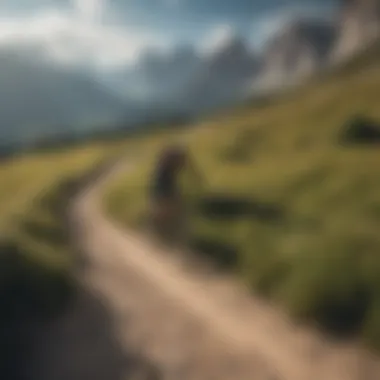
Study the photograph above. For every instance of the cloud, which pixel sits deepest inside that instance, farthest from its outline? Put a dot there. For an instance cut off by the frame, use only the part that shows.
(89, 10)
(78, 35)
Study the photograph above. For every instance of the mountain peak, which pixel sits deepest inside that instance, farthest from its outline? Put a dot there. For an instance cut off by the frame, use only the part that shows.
(297, 50)
(49, 96)
(222, 38)
(303, 28)
(233, 49)
(232, 42)
(359, 26)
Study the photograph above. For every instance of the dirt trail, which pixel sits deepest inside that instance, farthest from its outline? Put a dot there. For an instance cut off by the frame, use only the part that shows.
(183, 323)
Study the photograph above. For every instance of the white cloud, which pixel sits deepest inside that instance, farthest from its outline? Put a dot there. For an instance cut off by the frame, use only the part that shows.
(217, 38)
(78, 36)
(89, 10)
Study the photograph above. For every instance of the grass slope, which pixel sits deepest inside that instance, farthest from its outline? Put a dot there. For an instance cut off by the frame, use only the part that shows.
(36, 261)
(291, 209)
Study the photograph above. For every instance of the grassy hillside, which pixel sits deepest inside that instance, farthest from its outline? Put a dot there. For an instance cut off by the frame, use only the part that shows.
(290, 205)
(36, 260)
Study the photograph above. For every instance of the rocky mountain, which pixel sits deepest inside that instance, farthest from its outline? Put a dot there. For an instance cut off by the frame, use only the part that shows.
(188, 81)
(185, 82)
(161, 77)
(223, 76)
(299, 49)
(359, 26)
(39, 98)
(295, 52)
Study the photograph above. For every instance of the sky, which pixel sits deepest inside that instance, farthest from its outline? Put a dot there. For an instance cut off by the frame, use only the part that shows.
(108, 34)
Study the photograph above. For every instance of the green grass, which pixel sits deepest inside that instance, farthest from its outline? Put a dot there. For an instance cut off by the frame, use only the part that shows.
(36, 260)
(320, 258)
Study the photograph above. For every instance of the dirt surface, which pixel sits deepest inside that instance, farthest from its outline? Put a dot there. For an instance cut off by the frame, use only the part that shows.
(147, 314)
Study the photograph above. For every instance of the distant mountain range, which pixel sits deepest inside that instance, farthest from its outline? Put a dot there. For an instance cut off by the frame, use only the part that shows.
(299, 49)
(189, 81)
(221, 76)
(39, 98)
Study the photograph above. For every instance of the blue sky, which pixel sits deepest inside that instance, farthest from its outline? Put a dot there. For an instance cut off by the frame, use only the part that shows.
(109, 33)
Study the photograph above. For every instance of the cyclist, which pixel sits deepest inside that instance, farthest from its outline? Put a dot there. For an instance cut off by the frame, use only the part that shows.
(166, 198)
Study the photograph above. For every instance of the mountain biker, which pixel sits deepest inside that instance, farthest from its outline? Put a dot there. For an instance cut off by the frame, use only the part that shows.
(166, 197)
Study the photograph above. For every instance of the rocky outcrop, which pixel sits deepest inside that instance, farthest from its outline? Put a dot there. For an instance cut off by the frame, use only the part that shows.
(359, 26)
(296, 51)
(223, 76)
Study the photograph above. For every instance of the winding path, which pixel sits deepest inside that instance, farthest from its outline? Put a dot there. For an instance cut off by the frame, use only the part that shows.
(173, 321)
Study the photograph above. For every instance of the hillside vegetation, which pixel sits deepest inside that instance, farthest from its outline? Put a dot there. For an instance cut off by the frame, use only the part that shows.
(292, 201)
(36, 260)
